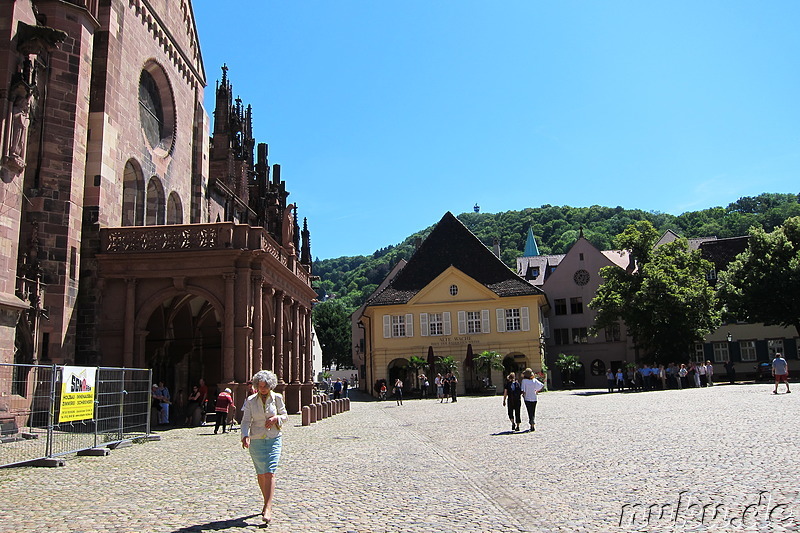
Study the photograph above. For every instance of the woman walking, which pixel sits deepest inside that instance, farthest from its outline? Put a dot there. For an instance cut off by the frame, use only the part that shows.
(512, 397)
(398, 391)
(530, 386)
(264, 414)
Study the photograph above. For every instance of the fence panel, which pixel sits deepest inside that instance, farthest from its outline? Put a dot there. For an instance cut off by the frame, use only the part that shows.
(30, 402)
(26, 398)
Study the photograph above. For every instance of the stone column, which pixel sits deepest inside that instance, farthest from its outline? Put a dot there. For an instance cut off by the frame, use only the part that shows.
(307, 389)
(139, 345)
(278, 348)
(227, 335)
(258, 324)
(268, 339)
(297, 349)
(308, 351)
(130, 322)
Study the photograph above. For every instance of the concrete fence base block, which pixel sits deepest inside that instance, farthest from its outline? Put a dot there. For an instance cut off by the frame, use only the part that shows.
(49, 462)
(121, 444)
(153, 437)
(95, 452)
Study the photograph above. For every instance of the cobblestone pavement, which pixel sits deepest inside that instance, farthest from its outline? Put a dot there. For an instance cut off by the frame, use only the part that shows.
(718, 459)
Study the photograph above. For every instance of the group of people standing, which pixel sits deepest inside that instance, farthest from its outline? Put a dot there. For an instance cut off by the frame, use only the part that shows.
(673, 376)
(446, 387)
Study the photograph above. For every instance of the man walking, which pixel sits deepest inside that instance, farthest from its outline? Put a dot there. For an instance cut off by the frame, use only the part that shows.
(780, 369)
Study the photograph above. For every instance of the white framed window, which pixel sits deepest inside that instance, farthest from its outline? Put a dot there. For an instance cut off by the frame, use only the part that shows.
(474, 322)
(398, 326)
(774, 346)
(748, 350)
(435, 324)
(453, 290)
(721, 352)
(698, 356)
(512, 320)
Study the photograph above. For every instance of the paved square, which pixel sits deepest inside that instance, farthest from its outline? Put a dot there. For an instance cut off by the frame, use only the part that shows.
(716, 459)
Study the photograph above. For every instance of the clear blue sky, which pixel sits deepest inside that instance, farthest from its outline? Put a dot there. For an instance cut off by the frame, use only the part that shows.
(385, 114)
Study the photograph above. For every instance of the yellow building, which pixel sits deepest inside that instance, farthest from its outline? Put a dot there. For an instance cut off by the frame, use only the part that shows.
(454, 298)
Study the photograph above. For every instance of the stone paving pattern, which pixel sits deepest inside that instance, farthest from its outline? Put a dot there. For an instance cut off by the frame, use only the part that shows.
(431, 467)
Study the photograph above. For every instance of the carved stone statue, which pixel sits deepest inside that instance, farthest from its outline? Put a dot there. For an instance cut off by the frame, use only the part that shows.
(287, 236)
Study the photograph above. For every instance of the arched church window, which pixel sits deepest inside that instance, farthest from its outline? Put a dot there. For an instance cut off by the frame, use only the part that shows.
(174, 209)
(132, 195)
(155, 202)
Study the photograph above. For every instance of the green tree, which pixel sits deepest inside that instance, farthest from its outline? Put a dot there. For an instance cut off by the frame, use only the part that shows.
(763, 283)
(569, 364)
(666, 302)
(486, 361)
(446, 363)
(332, 324)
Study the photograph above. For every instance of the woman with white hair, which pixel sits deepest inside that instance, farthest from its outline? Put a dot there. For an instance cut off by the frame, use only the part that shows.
(264, 414)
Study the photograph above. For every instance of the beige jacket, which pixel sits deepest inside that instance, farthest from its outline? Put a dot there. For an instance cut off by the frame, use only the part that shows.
(256, 413)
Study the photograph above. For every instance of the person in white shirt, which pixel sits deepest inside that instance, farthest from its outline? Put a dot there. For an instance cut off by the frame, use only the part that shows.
(709, 373)
(263, 415)
(530, 386)
(780, 369)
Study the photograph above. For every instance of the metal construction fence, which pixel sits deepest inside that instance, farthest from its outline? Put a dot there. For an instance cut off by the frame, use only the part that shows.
(40, 417)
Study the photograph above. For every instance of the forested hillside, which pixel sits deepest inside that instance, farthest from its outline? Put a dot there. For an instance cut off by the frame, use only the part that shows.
(352, 279)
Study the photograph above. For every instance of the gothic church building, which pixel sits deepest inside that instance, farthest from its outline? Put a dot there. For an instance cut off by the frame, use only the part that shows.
(134, 230)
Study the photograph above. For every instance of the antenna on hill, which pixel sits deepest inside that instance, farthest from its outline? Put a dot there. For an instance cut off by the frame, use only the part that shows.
(477, 208)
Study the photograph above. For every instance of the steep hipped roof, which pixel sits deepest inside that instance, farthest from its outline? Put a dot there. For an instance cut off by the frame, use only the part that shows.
(452, 244)
(722, 251)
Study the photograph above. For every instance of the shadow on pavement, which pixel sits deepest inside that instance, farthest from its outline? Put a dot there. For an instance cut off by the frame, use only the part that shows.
(220, 525)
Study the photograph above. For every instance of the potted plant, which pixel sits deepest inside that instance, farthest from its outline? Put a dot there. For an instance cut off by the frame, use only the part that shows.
(486, 361)
(568, 364)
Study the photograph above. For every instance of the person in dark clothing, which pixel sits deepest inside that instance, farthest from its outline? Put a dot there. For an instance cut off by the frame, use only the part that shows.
(512, 399)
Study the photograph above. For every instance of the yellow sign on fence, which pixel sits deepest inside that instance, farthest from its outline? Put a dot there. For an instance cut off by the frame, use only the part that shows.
(77, 393)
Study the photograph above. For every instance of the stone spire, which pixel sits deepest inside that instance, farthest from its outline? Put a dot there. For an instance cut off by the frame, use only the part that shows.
(305, 248)
(531, 249)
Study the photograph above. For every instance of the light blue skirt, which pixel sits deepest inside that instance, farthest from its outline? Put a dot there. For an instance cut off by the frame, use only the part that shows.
(266, 453)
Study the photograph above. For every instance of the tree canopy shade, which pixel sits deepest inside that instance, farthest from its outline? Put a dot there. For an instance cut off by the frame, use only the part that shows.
(763, 283)
(332, 324)
(666, 302)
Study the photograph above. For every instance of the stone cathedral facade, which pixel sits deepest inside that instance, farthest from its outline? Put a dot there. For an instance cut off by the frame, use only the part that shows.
(134, 230)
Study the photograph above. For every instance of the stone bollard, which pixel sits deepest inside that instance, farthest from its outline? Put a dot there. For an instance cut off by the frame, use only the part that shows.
(338, 406)
(306, 415)
(312, 410)
(326, 409)
(347, 404)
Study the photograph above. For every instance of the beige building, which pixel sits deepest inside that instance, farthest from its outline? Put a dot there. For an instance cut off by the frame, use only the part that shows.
(454, 298)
